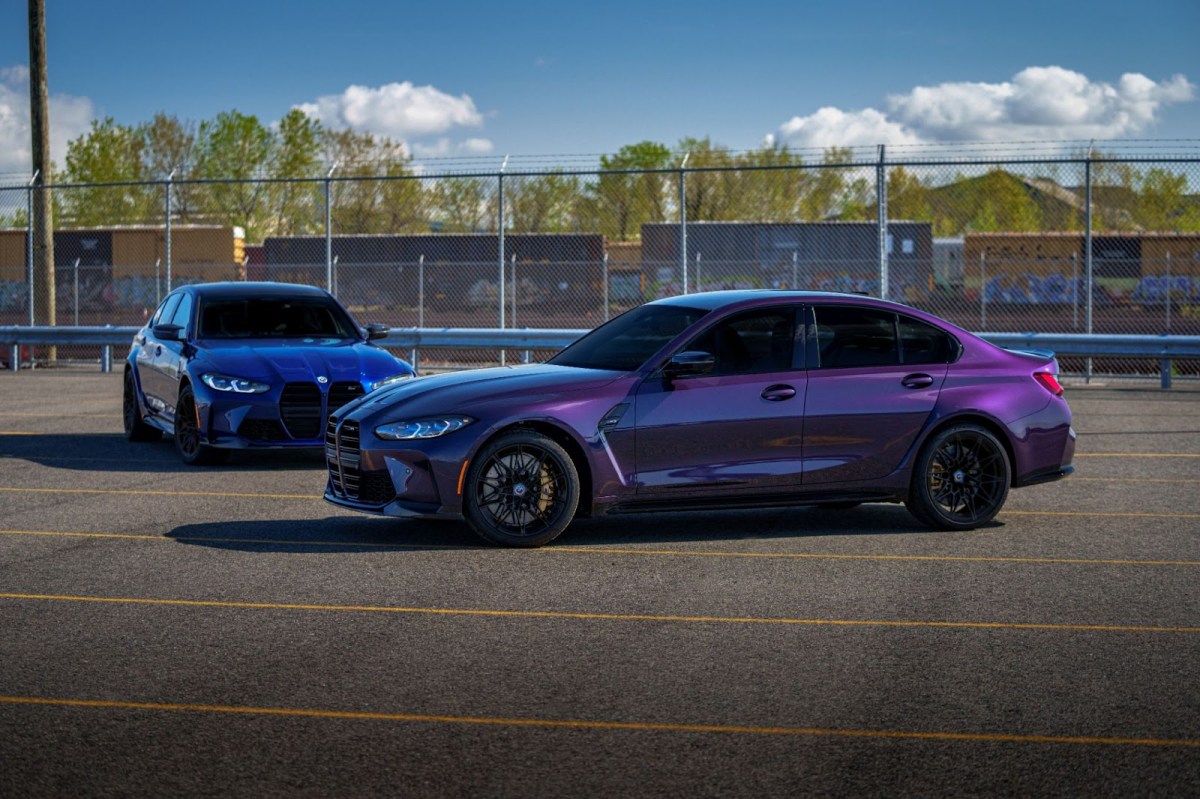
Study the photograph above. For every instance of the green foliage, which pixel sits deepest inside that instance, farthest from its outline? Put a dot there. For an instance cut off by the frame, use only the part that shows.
(542, 203)
(107, 153)
(620, 202)
(235, 170)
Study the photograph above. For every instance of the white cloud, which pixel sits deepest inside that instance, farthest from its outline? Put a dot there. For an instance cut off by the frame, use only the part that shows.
(1044, 103)
(397, 110)
(445, 148)
(70, 118)
(831, 127)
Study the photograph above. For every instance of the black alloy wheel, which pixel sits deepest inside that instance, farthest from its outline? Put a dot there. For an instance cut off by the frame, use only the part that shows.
(187, 433)
(135, 428)
(521, 490)
(961, 479)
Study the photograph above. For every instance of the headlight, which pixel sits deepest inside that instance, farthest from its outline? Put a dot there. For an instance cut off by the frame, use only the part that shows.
(422, 428)
(387, 381)
(238, 385)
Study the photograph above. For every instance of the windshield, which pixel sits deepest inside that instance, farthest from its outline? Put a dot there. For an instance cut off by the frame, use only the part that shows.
(626, 342)
(267, 317)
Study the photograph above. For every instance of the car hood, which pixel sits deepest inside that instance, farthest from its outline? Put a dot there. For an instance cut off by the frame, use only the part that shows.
(460, 392)
(300, 360)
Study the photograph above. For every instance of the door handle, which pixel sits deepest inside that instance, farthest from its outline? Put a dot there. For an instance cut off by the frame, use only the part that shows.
(778, 393)
(917, 381)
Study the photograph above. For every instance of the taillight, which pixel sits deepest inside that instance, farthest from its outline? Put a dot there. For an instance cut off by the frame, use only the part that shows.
(1049, 381)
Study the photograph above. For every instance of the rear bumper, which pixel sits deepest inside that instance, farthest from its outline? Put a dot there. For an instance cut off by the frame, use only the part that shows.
(1047, 476)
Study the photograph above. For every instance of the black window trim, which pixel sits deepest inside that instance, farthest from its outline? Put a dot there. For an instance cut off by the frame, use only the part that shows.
(813, 353)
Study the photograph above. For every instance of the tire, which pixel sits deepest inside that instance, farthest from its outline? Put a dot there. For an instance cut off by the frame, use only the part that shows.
(135, 428)
(192, 450)
(522, 490)
(960, 479)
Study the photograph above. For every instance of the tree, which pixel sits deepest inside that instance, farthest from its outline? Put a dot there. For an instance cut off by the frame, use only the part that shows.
(107, 153)
(1160, 202)
(542, 203)
(234, 149)
(462, 204)
(907, 197)
(823, 198)
(771, 187)
(622, 201)
(394, 205)
(169, 149)
(297, 155)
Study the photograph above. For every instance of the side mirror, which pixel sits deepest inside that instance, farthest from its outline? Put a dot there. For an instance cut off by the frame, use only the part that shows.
(692, 362)
(377, 331)
(168, 332)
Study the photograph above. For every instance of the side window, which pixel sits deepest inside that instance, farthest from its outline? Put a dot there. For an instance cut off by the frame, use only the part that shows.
(183, 312)
(758, 341)
(922, 343)
(848, 337)
(164, 312)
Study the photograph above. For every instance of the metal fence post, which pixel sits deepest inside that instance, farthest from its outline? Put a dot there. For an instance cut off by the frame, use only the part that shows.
(982, 291)
(75, 289)
(29, 243)
(604, 271)
(1087, 253)
(329, 228)
(421, 290)
(683, 220)
(500, 244)
(1168, 292)
(167, 227)
(881, 200)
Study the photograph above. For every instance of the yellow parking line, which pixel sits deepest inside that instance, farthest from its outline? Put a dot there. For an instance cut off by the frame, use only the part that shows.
(51, 415)
(585, 724)
(1076, 479)
(1116, 514)
(156, 493)
(569, 550)
(315, 496)
(1133, 455)
(550, 614)
(21, 433)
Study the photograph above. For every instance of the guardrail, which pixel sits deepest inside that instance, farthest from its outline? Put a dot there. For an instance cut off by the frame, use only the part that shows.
(1164, 349)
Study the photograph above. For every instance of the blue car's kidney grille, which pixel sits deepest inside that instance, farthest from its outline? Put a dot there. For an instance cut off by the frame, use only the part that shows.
(300, 409)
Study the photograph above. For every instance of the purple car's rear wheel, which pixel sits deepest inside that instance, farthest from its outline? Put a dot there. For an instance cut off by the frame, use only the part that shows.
(522, 490)
(961, 478)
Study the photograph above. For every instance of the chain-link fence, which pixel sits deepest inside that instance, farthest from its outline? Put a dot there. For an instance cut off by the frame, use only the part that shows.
(1066, 244)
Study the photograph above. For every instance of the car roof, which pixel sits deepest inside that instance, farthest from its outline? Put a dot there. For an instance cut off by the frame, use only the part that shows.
(714, 300)
(239, 290)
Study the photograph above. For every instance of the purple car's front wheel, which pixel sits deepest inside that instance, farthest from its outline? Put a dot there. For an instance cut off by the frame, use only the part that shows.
(522, 490)
(961, 479)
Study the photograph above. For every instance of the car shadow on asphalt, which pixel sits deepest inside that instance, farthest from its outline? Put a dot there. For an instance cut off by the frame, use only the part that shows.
(111, 452)
(363, 534)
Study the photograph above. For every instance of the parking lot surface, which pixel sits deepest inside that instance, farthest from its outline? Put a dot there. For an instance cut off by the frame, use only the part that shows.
(222, 631)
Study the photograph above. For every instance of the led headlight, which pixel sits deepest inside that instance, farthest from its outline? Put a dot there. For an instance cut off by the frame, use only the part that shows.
(422, 428)
(387, 381)
(238, 385)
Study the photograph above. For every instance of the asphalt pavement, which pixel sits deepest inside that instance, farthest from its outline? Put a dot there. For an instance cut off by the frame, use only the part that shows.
(171, 631)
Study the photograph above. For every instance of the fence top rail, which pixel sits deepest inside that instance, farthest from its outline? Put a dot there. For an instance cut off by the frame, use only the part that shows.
(1146, 346)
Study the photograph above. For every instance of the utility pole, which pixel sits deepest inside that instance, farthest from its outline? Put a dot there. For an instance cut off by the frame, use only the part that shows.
(39, 122)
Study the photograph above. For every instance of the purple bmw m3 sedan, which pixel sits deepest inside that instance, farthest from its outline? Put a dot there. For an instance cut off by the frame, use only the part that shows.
(714, 400)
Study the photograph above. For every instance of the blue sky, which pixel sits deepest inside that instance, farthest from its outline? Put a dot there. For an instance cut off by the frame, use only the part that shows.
(524, 78)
